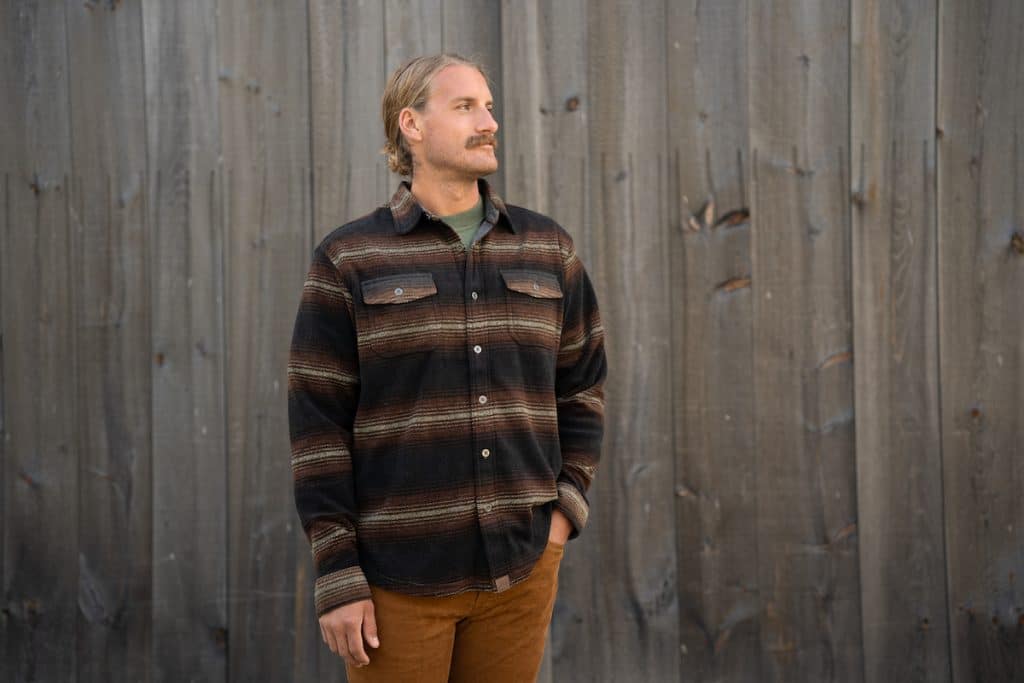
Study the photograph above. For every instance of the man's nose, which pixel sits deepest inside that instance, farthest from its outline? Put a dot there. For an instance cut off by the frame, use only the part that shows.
(488, 122)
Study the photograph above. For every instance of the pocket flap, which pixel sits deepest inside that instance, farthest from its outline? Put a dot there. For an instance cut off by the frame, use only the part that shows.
(398, 289)
(536, 283)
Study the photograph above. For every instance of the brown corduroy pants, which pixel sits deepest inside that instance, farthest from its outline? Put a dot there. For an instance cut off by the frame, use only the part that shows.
(472, 637)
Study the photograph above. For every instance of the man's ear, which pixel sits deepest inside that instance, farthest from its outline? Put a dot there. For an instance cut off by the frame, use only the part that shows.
(409, 124)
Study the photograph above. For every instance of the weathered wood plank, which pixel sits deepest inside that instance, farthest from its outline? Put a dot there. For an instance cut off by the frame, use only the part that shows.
(411, 28)
(346, 81)
(803, 375)
(544, 79)
(41, 442)
(264, 94)
(981, 331)
(629, 628)
(111, 298)
(712, 333)
(186, 261)
(899, 468)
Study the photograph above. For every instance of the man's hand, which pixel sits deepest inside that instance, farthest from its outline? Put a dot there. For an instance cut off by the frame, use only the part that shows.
(561, 527)
(344, 628)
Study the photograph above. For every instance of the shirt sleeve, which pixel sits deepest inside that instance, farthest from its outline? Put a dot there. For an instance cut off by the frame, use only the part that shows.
(580, 374)
(323, 392)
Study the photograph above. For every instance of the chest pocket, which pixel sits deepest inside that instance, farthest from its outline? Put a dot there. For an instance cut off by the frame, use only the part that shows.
(399, 314)
(533, 306)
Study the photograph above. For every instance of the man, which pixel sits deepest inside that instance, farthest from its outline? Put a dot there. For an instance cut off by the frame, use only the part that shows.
(445, 395)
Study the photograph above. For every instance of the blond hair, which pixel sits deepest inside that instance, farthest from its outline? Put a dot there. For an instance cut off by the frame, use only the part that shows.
(409, 86)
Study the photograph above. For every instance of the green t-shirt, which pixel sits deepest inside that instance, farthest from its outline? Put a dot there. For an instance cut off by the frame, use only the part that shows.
(466, 223)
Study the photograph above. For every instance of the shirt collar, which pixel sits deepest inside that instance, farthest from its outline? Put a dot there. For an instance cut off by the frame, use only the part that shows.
(407, 211)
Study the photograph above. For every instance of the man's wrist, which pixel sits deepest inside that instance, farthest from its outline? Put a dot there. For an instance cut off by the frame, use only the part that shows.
(561, 527)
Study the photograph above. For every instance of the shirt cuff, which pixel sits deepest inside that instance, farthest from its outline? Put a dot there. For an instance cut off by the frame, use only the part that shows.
(340, 588)
(574, 506)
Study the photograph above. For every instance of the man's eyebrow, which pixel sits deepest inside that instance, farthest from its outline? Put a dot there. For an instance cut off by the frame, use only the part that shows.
(467, 98)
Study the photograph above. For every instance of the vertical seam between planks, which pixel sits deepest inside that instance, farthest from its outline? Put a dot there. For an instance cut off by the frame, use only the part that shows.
(846, 188)
(937, 233)
(311, 125)
(71, 289)
(224, 331)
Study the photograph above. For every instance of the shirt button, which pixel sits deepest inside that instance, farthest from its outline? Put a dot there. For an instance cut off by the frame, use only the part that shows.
(487, 507)
(474, 295)
(477, 348)
(486, 452)
(398, 291)
(482, 399)
(536, 286)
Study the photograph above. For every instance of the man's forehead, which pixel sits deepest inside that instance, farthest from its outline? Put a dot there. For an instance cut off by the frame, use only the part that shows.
(459, 80)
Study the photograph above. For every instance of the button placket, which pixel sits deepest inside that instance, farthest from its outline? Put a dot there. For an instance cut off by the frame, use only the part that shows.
(478, 392)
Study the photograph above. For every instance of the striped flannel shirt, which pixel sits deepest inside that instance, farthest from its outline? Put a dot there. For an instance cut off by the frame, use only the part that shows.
(442, 401)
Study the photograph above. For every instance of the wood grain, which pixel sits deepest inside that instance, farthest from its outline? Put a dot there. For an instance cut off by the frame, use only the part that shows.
(714, 411)
(899, 467)
(111, 295)
(808, 563)
(630, 555)
(41, 440)
(981, 332)
(186, 263)
(264, 92)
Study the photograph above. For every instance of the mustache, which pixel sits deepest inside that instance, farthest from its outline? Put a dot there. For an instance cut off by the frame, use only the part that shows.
(486, 138)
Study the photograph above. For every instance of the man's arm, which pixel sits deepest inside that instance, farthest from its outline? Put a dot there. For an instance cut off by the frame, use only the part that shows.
(323, 391)
(579, 387)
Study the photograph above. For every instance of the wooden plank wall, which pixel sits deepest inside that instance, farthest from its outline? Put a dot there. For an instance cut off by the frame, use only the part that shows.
(980, 260)
(803, 222)
(894, 240)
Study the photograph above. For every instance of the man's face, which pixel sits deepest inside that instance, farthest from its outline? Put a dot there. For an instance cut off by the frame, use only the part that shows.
(458, 130)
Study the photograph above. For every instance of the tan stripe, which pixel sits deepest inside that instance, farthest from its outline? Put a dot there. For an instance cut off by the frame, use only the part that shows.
(456, 418)
(334, 535)
(340, 455)
(401, 249)
(577, 506)
(343, 378)
(587, 396)
(328, 287)
(432, 247)
(403, 330)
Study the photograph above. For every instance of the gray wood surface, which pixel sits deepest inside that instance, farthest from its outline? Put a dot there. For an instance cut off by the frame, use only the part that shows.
(708, 181)
(186, 262)
(631, 555)
(346, 80)
(111, 298)
(981, 332)
(42, 443)
(896, 364)
(806, 519)
(266, 244)
(802, 220)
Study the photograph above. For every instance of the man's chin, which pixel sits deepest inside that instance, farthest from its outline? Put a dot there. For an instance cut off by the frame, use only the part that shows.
(480, 171)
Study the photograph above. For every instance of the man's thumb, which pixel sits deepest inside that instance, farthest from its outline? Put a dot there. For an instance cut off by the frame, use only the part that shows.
(370, 627)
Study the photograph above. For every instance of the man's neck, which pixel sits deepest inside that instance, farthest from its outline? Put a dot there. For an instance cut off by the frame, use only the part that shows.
(444, 197)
